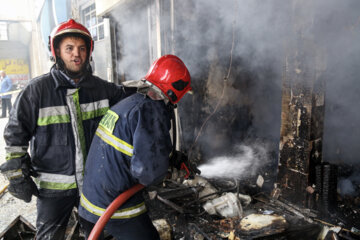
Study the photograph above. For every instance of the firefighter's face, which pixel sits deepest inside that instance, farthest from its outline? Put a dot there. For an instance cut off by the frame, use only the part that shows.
(73, 52)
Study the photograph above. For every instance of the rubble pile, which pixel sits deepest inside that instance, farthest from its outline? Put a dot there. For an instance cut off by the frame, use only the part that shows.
(230, 209)
(202, 208)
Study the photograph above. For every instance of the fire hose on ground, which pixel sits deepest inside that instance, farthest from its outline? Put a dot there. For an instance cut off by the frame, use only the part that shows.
(4, 188)
(120, 200)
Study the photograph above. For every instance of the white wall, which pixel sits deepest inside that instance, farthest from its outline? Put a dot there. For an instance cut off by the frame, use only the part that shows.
(16, 10)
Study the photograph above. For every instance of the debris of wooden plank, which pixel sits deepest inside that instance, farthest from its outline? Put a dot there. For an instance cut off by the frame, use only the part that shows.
(332, 225)
(293, 210)
(170, 204)
(163, 228)
(180, 192)
(19, 228)
(264, 224)
(73, 226)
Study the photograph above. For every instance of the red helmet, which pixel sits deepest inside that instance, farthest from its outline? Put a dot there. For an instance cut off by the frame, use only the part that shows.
(71, 26)
(171, 76)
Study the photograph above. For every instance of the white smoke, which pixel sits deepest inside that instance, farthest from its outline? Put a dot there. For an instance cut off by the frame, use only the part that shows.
(346, 187)
(350, 186)
(244, 162)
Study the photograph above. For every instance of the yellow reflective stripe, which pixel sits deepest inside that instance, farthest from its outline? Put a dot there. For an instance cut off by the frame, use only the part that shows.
(91, 207)
(119, 214)
(53, 115)
(114, 141)
(56, 181)
(53, 120)
(94, 114)
(94, 109)
(76, 99)
(14, 155)
(109, 120)
(56, 186)
(130, 212)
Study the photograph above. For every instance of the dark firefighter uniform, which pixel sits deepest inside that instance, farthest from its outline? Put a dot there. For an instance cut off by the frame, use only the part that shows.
(59, 120)
(132, 145)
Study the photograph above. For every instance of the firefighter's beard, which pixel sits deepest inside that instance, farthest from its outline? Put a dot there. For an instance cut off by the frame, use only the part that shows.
(75, 75)
(71, 74)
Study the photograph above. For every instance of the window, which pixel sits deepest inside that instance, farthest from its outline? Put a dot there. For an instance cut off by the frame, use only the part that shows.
(93, 23)
(3, 31)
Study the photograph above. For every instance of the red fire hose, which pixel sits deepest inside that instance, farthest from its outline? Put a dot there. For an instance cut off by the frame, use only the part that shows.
(101, 222)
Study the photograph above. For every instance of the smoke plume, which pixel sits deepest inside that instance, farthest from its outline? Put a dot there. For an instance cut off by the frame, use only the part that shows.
(256, 35)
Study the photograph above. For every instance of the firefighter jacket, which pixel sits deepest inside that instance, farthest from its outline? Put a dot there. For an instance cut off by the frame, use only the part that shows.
(59, 121)
(132, 145)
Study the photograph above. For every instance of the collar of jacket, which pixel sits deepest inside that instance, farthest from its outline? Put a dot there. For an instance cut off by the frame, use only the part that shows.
(86, 81)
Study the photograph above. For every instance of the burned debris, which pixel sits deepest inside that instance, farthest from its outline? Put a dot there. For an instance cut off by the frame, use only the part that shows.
(233, 210)
(19, 228)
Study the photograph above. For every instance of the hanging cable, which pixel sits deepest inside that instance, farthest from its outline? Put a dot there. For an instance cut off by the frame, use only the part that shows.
(224, 84)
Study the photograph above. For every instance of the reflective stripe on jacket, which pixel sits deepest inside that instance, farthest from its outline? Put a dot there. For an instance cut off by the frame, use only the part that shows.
(124, 213)
(131, 145)
(59, 121)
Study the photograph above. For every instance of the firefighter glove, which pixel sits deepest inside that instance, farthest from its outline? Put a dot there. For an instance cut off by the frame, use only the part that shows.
(18, 172)
(180, 161)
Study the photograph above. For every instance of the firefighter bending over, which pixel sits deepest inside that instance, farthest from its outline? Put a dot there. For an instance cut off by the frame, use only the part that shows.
(58, 113)
(132, 145)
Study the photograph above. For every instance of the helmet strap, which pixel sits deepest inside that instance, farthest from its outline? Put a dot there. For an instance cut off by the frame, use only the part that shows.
(59, 63)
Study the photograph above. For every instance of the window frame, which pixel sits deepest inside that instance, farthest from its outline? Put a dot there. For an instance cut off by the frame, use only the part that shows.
(94, 24)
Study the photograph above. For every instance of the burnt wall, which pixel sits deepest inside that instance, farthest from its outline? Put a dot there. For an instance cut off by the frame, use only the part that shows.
(223, 113)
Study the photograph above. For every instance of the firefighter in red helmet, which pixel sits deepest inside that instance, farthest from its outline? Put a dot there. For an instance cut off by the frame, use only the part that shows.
(132, 145)
(75, 60)
(57, 115)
